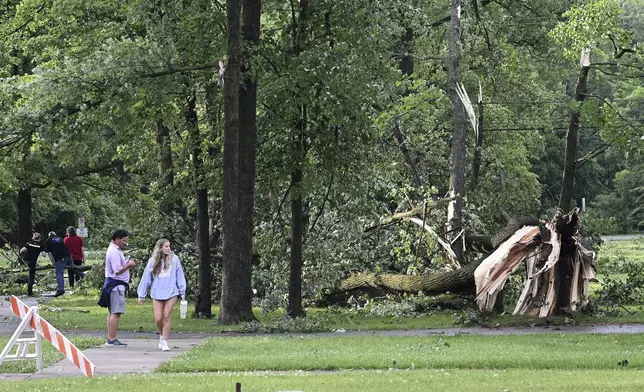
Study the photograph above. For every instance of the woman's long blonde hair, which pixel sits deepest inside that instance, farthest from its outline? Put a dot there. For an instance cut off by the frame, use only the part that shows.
(158, 257)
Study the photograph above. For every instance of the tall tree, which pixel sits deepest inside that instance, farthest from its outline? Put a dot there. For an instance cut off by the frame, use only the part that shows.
(239, 171)
(459, 135)
(298, 153)
(203, 302)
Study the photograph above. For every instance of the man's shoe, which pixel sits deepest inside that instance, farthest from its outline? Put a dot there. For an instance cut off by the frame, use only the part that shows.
(115, 343)
(59, 293)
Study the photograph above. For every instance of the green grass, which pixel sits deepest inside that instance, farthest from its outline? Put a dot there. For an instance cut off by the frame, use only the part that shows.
(376, 380)
(50, 354)
(538, 351)
(630, 250)
(82, 313)
(75, 312)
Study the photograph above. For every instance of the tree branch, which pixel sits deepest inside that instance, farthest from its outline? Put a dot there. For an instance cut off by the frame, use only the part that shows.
(172, 70)
(321, 211)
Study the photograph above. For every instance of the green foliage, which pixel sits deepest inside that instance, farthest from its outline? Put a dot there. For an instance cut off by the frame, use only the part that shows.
(588, 24)
(617, 291)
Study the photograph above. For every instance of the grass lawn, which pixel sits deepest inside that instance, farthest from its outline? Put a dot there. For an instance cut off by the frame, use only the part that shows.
(82, 313)
(375, 380)
(537, 351)
(50, 353)
(631, 250)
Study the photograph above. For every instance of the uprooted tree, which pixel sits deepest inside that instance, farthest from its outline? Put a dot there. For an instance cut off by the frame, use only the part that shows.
(559, 268)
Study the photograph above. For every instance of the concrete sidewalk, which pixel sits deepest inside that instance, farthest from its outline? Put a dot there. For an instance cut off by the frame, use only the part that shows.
(140, 356)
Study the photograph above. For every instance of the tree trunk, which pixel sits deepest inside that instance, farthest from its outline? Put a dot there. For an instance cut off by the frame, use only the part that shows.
(248, 148)
(459, 123)
(164, 159)
(239, 169)
(25, 217)
(295, 308)
(406, 66)
(298, 152)
(458, 281)
(203, 302)
(572, 140)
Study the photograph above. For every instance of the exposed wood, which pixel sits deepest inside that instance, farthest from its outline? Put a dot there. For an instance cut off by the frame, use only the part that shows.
(448, 249)
(559, 268)
(411, 213)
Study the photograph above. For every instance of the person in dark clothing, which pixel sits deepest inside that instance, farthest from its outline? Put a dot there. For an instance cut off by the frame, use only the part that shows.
(76, 247)
(61, 257)
(29, 254)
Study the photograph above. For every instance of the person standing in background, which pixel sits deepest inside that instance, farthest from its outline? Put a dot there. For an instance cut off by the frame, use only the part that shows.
(61, 258)
(76, 247)
(29, 254)
(117, 281)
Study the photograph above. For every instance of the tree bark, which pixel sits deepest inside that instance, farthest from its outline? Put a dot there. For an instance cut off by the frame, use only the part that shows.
(248, 148)
(232, 308)
(459, 123)
(298, 152)
(457, 281)
(572, 141)
(203, 302)
(239, 167)
(164, 161)
(25, 214)
(295, 308)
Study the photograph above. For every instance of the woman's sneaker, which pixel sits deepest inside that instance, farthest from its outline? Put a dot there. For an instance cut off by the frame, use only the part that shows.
(163, 346)
(115, 343)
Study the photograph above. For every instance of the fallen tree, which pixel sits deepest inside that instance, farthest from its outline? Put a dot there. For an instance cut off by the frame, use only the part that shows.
(457, 281)
(559, 268)
(19, 275)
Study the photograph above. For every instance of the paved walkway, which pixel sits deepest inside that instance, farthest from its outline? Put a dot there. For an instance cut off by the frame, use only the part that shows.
(140, 356)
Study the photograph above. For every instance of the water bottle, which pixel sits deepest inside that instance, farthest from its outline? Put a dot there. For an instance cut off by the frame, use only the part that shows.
(183, 308)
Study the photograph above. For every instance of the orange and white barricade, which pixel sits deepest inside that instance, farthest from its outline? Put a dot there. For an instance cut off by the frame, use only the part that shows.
(42, 328)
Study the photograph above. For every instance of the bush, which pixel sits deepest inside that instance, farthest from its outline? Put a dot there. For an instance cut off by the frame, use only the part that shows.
(616, 292)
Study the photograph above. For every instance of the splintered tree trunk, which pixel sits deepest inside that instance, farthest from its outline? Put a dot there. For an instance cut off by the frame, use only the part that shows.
(459, 123)
(478, 152)
(25, 216)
